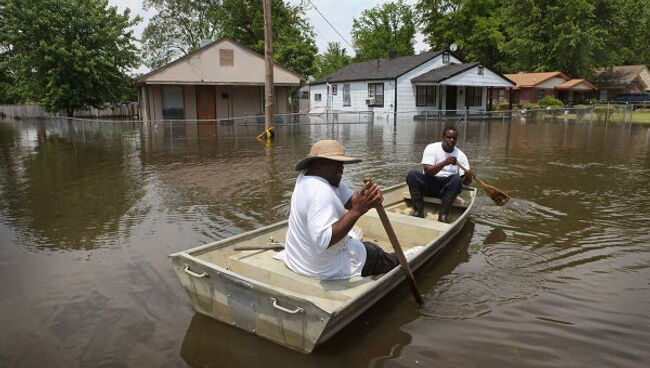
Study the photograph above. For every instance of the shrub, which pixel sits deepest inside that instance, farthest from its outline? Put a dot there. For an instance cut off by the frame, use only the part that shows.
(603, 112)
(550, 102)
(503, 106)
(531, 106)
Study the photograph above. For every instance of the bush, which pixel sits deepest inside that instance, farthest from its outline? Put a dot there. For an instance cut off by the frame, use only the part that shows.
(550, 102)
(531, 106)
(503, 106)
(603, 112)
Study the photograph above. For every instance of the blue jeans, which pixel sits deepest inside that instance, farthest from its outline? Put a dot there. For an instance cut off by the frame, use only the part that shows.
(433, 186)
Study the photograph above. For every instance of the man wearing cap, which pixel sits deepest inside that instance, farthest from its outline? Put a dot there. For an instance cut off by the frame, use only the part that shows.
(440, 175)
(323, 212)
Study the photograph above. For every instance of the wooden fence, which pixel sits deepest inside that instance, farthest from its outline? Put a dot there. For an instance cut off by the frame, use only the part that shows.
(124, 110)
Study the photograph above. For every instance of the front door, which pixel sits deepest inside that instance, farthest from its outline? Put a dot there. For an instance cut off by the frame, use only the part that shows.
(451, 98)
(205, 103)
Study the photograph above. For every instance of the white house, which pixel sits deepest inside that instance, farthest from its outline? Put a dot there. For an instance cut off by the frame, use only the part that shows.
(433, 81)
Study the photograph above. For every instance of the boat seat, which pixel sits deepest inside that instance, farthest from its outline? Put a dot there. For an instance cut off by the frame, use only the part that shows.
(261, 266)
(458, 202)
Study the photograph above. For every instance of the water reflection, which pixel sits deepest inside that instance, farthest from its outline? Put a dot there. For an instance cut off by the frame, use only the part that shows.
(66, 187)
(565, 263)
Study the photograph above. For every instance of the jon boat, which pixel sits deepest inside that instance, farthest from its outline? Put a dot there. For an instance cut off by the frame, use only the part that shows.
(253, 291)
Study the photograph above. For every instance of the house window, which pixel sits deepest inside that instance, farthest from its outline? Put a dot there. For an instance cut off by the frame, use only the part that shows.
(317, 97)
(226, 57)
(304, 95)
(502, 95)
(425, 96)
(540, 94)
(335, 89)
(172, 102)
(473, 96)
(346, 94)
(376, 92)
(481, 70)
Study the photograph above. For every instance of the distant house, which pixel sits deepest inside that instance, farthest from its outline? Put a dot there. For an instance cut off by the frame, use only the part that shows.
(431, 81)
(531, 87)
(622, 79)
(221, 80)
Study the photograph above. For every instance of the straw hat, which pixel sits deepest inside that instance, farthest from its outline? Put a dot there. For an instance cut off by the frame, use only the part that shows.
(327, 149)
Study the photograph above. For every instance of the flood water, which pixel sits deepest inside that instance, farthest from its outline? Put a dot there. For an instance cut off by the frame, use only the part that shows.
(90, 211)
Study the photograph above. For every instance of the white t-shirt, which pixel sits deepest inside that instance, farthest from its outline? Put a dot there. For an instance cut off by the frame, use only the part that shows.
(434, 154)
(315, 206)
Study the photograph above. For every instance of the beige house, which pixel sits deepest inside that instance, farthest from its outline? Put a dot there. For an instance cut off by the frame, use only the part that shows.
(221, 80)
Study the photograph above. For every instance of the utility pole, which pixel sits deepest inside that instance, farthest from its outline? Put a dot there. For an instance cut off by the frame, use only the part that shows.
(268, 61)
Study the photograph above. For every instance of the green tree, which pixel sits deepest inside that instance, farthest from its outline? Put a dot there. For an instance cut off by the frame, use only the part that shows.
(293, 39)
(334, 58)
(67, 54)
(474, 25)
(547, 35)
(177, 29)
(384, 28)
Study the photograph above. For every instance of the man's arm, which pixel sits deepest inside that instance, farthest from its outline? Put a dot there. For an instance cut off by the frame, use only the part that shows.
(432, 170)
(361, 201)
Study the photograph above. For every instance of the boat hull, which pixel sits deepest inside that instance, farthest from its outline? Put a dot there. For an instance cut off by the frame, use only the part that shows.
(254, 292)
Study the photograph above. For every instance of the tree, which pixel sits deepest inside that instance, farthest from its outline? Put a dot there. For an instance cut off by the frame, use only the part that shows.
(293, 39)
(177, 29)
(474, 25)
(384, 28)
(334, 58)
(67, 54)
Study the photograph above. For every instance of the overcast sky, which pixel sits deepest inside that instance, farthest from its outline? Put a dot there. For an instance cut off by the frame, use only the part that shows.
(340, 13)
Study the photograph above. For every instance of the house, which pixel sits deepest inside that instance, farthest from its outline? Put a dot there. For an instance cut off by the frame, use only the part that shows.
(532, 87)
(622, 79)
(220, 80)
(432, 81)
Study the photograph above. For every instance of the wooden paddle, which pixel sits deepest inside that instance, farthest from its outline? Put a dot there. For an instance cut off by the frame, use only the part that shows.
(497, 195)
(398, 250)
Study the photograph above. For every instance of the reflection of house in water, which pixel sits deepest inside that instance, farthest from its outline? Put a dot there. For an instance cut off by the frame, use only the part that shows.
(221, 80)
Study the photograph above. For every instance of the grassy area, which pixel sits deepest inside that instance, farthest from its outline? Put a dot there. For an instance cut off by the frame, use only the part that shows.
(639, 116)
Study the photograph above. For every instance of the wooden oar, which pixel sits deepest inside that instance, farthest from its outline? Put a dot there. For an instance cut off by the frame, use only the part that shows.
(270, 246)
(497, 195)
(398, 250)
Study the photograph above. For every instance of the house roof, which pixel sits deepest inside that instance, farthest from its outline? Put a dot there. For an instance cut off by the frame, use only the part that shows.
(144, 78)
(618, 76)
(533, 79)
(444, 72)
(574, 84)
(377, 68)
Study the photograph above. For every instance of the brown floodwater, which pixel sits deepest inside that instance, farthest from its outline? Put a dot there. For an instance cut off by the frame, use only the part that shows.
(89, 212)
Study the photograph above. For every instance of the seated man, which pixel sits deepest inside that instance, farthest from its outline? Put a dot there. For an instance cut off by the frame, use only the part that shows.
(318, 244)
(440, 176)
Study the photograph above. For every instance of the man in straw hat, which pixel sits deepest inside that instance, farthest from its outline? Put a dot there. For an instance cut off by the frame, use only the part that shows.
(320, 242)
(440, 175)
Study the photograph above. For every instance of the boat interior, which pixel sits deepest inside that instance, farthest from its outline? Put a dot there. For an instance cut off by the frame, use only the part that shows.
(261, 265)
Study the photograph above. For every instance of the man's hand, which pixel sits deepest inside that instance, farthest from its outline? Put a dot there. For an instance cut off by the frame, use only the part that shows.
(451, 160)
(369, 196)
(468, 176)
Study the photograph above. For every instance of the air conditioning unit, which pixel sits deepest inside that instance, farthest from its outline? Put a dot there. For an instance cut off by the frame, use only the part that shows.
(370, 101)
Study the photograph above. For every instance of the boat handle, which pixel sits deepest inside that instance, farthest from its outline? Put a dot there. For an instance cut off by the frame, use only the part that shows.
(278, 306)
(189, 272)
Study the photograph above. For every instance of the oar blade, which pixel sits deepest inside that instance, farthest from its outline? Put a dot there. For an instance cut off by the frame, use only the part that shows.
(497, 196)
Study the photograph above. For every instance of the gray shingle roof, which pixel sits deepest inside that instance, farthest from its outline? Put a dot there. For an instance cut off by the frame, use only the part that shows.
(377, 69)
(617, 76)
(444, 72)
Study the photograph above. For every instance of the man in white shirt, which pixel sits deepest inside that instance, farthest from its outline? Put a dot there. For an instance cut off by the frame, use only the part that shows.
(440, 176)
(319, 241)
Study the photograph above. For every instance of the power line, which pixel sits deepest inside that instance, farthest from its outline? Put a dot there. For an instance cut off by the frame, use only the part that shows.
(330, 23)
